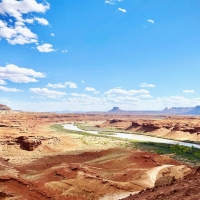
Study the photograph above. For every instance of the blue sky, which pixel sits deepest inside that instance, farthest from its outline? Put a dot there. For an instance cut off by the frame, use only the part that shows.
(95, 54)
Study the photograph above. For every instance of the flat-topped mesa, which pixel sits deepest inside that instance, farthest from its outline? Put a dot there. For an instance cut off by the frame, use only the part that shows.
(4, 107)
(115, 110)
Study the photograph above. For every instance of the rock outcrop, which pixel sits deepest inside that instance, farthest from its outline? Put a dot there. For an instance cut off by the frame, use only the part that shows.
(186, 188)
(4, 107)
(28, 143)
(181, 128)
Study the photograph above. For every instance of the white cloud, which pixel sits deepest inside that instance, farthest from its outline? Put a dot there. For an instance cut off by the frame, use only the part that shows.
(19, 34)
(150, 21)
(41, 21)
(147, 85)
(188, 91)
(52, 34)
(45, 48)
(63, 85)
(4, 101)
(16, 8)
(90, 89)
(119, 91)
(122, 10)
(2, 82)
(79, 95)
(144, 96)
(83, 82)
(47, 93)
(14, 30)
(112, 2)
(84, 102)
(65, 51)
(19, 75)
(29, 21)
(6, 89)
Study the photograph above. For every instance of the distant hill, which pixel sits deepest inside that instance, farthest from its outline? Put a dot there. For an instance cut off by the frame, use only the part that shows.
(194, 111)
(177, 110)
(4, 107)
(166, 111)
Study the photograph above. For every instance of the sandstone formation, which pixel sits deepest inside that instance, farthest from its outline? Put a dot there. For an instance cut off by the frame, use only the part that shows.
(88, 175)
(28, 143)
(186, 188)
(181, 128)
(4, 107)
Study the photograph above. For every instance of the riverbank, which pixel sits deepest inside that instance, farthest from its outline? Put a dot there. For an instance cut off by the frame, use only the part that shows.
(186, 153)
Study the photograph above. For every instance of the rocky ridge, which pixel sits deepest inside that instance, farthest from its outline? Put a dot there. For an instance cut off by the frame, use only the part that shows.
(181, 128)
(4, 107)
(186, 188)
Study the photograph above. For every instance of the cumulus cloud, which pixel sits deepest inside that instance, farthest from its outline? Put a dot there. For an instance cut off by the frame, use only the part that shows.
(6, 89)
(45, 48)
(17, 74)
(14, 29)
(122, 10)
(19, 34)
(188, 91)
(52, 34)
(147, 85)
(2, 82)
(84, 99)
(150, 21)
(41, 21)
(120, 91)
(17, 9)
(47, 93)
(90, 89)
(112, 2)
(63, 85)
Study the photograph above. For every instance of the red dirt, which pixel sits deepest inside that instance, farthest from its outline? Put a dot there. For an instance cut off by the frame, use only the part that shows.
(187, 189)
(88, 175)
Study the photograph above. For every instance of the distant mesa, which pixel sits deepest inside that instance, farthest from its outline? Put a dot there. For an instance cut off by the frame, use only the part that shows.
(4, 107)
(115, 110)
(177, 110)
(166, 111)
(195, 111)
